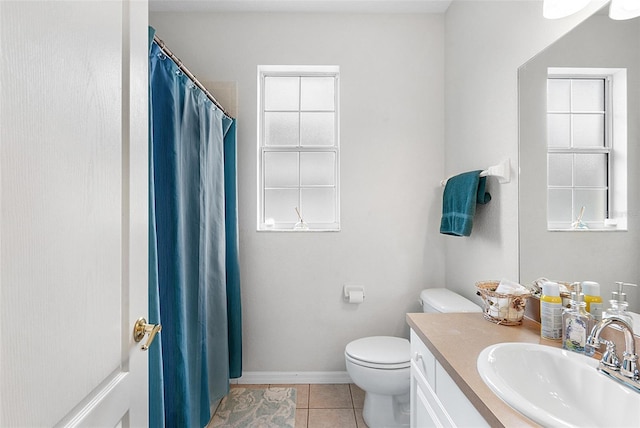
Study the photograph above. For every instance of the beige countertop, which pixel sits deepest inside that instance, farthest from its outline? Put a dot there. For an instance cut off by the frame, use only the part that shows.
(456, 340)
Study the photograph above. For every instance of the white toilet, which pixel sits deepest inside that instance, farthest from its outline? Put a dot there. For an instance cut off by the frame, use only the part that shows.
(380, 365)
(442, 300)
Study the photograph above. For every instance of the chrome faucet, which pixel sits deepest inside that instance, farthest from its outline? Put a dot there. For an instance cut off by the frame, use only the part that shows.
(627, 371)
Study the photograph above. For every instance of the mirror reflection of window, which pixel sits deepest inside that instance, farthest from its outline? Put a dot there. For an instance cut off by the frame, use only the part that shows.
(586, 149)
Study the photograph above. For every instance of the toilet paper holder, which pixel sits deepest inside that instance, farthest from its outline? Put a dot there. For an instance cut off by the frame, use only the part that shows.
(353, 293)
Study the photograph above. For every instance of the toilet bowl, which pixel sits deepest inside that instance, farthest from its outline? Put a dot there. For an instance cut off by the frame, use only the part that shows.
(380, 365)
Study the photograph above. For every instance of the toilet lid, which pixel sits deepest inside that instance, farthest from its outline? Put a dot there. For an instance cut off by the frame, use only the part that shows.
(380, 350)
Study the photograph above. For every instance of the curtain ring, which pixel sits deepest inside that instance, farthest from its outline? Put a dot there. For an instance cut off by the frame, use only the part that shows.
(179, 73)
(162, 56)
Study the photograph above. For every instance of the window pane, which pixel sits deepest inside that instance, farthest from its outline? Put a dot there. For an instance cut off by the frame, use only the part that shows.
(281, 93)
(280, 205)
(317, 129)
(591, 170)
(558, 130)
(319, 205)
(558, 95)
(298, 146)
(280, 169)
(588, 130)
(281, 129)
(317, 93)
(594, 203)
(560, 169)
(559, 205)
(317, 169)
(588, 95)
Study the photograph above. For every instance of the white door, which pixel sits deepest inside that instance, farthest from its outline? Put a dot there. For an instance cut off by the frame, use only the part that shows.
(73, 212)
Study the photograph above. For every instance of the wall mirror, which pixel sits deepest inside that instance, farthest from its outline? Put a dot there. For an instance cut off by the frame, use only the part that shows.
(605, 254)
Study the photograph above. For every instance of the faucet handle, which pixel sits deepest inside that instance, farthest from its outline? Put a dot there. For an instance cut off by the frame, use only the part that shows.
(630, 366)
(610, 357)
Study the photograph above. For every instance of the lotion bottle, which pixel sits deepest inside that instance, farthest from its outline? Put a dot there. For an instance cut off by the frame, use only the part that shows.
(577, 324)
(551, 311)
(593, 299)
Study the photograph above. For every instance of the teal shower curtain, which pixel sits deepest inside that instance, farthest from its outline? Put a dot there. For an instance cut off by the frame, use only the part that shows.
(194, 288)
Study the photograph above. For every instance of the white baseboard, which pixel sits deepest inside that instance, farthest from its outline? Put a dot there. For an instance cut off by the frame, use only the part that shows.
(265, 378)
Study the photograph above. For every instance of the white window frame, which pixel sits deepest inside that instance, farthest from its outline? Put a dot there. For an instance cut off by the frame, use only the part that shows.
(265, 224)
(615, 145)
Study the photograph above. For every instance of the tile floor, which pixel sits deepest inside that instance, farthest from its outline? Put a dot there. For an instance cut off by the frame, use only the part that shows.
(325, 406)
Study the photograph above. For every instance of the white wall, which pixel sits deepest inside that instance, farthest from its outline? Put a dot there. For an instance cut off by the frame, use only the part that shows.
(392, 142)
(485, 43)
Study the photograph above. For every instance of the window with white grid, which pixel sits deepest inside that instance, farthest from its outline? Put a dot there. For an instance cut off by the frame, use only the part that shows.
(583, 141)
(298, 148)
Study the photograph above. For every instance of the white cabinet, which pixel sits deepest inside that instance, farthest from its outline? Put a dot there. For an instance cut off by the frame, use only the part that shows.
(436, 400)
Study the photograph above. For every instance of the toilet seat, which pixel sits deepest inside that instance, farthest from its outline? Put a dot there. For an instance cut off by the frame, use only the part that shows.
(380, 352)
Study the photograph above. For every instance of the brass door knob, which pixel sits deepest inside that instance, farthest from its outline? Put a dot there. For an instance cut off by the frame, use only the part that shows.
(141, 328)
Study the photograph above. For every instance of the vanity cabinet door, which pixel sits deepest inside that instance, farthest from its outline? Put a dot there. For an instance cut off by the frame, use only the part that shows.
(426, 408)
(424, 359)
(436, 400)
(461, 411)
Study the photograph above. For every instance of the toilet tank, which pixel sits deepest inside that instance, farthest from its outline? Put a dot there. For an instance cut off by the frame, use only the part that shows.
(442, 300)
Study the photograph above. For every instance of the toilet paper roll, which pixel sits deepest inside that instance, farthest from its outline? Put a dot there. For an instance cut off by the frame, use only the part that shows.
(355, 297)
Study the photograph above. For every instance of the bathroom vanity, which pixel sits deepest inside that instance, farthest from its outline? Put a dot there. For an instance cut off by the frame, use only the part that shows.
(436, 399)
(445, 384)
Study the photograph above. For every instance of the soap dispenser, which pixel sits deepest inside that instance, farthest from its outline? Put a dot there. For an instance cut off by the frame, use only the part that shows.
(619, 303)
(576, 324)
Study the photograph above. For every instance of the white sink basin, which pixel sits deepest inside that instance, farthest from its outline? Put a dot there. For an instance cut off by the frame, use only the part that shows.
(554, 387)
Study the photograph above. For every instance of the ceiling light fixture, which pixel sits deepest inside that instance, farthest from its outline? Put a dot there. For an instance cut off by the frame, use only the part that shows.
(555, 9)
(619, 9)
(624, 9)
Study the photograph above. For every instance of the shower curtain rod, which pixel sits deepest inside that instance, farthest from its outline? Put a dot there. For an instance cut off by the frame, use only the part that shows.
(190, 75)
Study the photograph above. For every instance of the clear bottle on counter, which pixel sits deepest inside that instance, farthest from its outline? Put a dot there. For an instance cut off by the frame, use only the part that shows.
(618, 304)
(551, 311)
(577, 324)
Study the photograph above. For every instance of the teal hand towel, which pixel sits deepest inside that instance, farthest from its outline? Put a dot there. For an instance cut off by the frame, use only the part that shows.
(461, 194)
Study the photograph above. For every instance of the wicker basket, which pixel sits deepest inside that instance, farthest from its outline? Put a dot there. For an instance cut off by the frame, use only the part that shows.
(503, 309)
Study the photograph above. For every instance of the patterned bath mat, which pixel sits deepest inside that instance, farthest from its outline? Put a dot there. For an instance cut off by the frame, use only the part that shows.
(256, 408)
